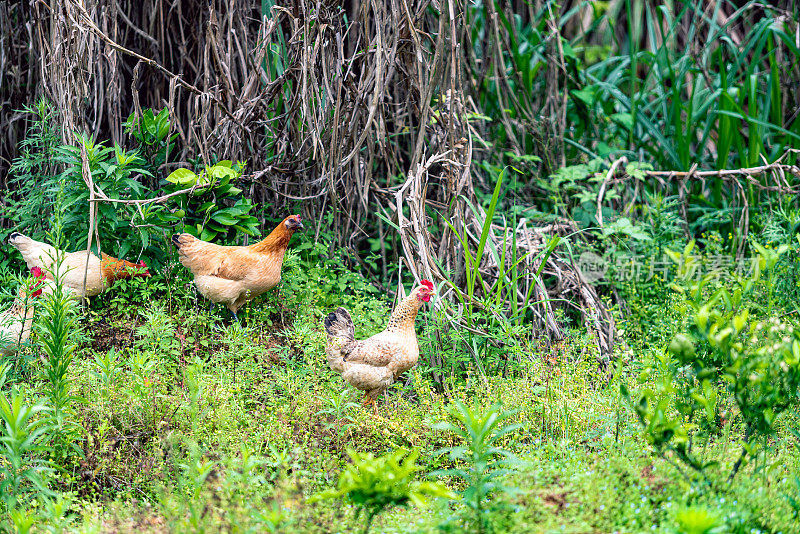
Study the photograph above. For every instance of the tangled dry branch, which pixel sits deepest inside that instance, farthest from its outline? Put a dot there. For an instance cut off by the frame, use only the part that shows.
(766, 178)
(343, 108)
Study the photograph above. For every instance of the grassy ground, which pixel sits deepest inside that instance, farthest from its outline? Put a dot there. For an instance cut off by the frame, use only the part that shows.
(188, 423)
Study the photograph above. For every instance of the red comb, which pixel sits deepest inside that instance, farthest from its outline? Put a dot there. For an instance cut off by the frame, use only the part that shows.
(428, 284)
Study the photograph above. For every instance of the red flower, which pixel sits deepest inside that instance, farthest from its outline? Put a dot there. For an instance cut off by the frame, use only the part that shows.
(36, 292)
(39, 276)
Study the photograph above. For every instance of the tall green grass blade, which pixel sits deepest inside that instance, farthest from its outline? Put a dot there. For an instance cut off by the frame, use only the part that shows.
(501, 276)
(763, 124)
(633, 40)
(542, 255)
(487, 224)
(775, 101)
(727, 129)
(514, 273)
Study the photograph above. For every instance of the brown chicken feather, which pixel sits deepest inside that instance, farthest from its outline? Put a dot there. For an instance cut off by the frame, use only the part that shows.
(233, 275)
(373, 364)
(99, 276)
(113, 269)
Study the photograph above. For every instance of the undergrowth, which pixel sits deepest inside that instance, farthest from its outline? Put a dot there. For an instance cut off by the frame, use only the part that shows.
(186, 427)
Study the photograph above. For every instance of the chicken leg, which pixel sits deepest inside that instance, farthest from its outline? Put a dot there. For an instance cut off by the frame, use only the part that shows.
(369, 400)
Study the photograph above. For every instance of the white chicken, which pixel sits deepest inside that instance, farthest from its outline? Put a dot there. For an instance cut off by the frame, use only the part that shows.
(100, 274)
(15, 322)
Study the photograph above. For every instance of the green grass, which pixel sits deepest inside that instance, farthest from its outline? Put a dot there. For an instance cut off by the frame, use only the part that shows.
(187, 428)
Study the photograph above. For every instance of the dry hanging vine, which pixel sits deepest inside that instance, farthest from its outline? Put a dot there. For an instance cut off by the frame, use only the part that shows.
(343, 108)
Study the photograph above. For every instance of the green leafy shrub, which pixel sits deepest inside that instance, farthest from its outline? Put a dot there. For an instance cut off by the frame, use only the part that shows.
(156, 335)
(33, 173)
(338, 409)
(727, 353)
(230, 493)
(121, 228)
(57, 330)
(109, 370)
(215, 209)
(696, 520)
(481, 461)
(794, 499)
(312, 274)
(151, 132)
(130, 293)
(376, 483)
(23, 472)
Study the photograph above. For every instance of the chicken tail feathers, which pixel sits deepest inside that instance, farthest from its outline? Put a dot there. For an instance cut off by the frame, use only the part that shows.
(181, 240)
(18, 240)
(341, 336)
(339, 324)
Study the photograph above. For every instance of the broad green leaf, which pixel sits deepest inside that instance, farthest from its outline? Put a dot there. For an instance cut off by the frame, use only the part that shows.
(183, 177)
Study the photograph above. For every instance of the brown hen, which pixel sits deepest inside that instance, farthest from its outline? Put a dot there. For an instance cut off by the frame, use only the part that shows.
(233, 275)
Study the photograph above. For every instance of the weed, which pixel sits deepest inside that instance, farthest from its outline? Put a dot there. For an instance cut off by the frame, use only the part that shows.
(755, 362)
(696, 520)
(57, 328)
(338, 408)
(375, 483)
(484, 461)
(23, 474)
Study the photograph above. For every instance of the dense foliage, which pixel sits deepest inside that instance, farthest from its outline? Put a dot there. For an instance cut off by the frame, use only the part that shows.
(654, 141)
